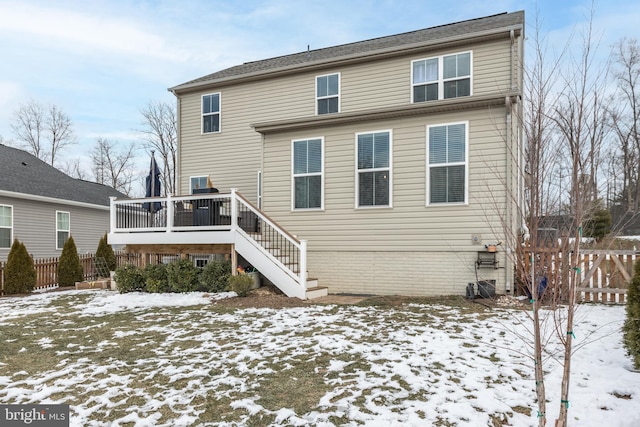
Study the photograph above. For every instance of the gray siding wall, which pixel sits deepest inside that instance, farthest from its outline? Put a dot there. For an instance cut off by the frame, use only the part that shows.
(34, 224)
(233, 156)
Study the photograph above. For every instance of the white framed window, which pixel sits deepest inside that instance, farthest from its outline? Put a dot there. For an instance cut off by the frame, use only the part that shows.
(373, 164)
(307, 178)
(447, 163)
(196, 182)
(63, 228)
(201, 261)
(328, 94)
(6, 226)
(211, 113)
(441, 77)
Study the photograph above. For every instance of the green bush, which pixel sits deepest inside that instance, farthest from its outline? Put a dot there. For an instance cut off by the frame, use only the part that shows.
(69, 267)
(20, 274)
(215, 276)
(598, 225)
(105, 251)
(155, 277)
(129, 278)
(183, 276)
(241, 284)
(631, 328)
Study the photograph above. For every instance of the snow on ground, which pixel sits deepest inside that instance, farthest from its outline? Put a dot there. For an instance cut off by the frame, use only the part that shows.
(402, 366)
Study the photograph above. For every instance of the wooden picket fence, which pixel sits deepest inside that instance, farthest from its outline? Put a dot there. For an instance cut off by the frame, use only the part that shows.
(47, 269)
(603, 274)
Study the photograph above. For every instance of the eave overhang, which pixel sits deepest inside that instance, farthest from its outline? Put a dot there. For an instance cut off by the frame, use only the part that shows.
(424, 108)
(45, 199)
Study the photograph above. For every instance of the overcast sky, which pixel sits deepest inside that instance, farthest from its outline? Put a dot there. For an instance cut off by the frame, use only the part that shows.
(102, 60)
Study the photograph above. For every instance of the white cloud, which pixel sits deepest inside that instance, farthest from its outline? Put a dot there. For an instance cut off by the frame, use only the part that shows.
(12, 94)
(89, 33)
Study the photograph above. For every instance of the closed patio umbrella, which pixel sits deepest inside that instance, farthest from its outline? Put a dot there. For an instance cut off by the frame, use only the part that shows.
(153, 186)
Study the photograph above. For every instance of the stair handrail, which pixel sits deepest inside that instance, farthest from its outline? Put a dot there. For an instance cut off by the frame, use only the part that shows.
(300, 244)
(266, 217)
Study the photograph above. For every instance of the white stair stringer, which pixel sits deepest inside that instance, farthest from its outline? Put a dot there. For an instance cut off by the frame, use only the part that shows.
(269, 266)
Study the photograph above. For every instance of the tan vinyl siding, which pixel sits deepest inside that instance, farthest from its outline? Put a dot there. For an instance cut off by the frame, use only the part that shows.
(409, 225)
(34, 224)
(232, 157)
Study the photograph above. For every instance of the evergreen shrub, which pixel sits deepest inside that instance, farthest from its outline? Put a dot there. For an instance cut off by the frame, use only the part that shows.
(20, 273)
(155, 277)
(105, 251)
(631, 327)
(182, 276)
(215, 276)
(129, 278)
(69, 267)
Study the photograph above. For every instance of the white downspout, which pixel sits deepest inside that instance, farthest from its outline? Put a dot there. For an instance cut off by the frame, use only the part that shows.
(508, 265)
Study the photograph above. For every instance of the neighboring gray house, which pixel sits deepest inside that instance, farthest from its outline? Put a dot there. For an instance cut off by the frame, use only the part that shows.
(41, 206)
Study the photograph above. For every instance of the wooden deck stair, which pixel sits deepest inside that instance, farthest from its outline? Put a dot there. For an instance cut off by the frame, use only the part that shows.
(313, 289)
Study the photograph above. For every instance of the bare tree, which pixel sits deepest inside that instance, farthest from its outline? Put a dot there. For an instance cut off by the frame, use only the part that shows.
(59, 131)
(111, 166)
(542, 159)
(28, 127)
(161, 135)
(624, 120)
(74, 169)
(580, 117)
(43, 131)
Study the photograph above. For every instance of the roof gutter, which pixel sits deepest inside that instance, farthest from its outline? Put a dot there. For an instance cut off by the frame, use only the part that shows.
(37, 198)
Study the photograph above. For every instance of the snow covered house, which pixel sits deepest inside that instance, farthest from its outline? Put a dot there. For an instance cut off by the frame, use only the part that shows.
(41, 206)
(378, 167)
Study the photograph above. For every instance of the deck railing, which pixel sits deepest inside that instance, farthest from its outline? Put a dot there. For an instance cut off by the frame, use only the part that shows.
(212, 212)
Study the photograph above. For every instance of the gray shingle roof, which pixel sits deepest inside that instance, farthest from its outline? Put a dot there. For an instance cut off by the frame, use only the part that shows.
(433, 34)
(25, 173)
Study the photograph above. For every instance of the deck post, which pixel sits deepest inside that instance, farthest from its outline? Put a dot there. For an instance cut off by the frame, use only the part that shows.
(234, 260)
(169, 214)
(112, 214)
(234, 227)
(303, 263)
(234, 209)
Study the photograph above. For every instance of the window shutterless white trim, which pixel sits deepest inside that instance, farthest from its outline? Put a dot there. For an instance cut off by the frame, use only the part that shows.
(388, 169)
(447, 163)
(295, 175)
(210, 111)
(327, 95)
(201, 182)
(60, 230)
(6, 223)
(440, 80)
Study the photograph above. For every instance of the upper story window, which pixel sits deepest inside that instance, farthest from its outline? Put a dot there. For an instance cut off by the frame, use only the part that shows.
(63, 228)
(374, 169)
(447, 163)
(211, 113)
(6, 226)
(307, 173)
(328, 94)
(441, 77)
(197, 182)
